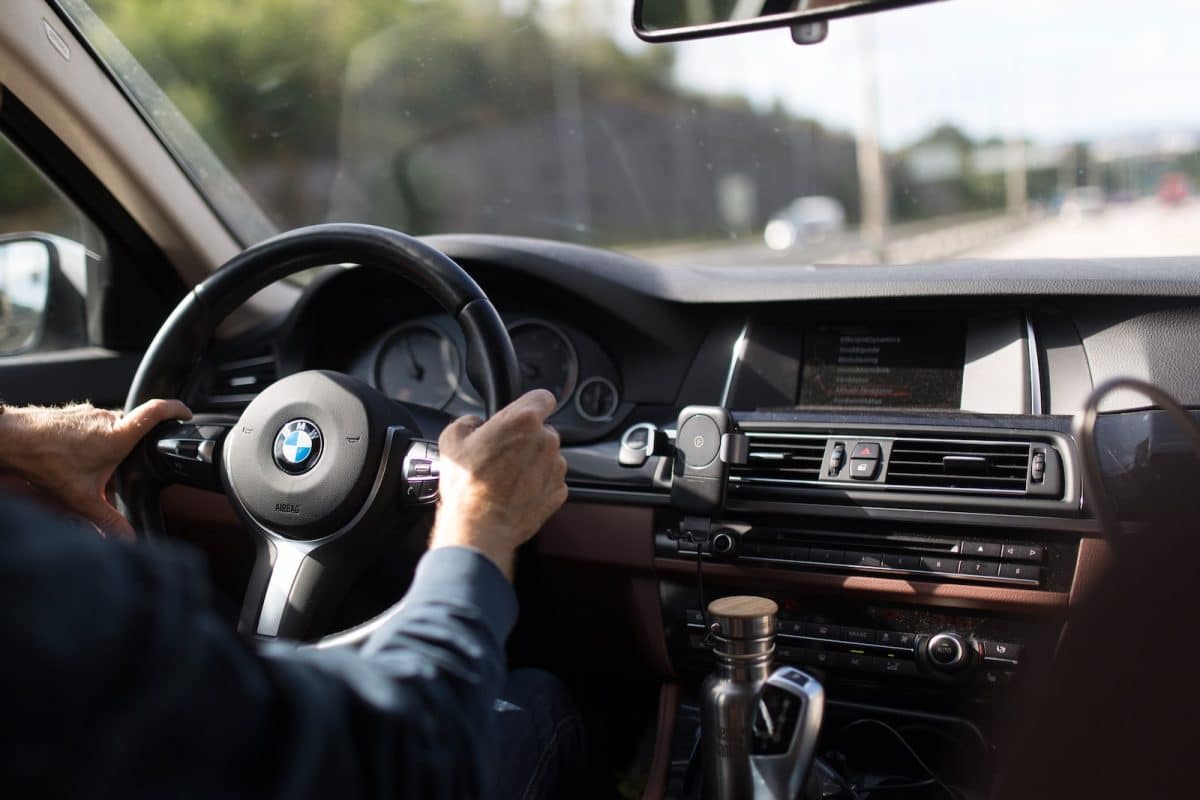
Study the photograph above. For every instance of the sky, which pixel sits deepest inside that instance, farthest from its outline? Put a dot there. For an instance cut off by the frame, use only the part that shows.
(1053, 70)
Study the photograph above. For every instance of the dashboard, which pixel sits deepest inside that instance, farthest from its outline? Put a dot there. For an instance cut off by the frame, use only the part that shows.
(910, 470)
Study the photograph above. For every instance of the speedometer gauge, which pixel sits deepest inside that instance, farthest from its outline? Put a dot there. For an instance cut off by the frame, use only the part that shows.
(546, 358)
(418, 364)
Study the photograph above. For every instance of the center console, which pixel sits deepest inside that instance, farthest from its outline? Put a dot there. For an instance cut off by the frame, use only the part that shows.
(893, 488)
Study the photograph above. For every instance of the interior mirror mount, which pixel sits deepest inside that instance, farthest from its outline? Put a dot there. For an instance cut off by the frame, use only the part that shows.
(675, 20)
(810, 32)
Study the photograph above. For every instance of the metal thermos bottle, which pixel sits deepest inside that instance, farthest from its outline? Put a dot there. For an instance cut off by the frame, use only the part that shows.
(743, 633)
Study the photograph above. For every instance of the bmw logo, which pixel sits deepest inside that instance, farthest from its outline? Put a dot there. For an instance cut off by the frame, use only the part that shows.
(298, 446)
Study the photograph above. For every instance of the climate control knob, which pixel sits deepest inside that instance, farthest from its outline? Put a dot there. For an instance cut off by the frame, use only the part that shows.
(947, 652)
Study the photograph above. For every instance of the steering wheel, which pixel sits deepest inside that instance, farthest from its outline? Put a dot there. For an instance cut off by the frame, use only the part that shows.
(319, 464)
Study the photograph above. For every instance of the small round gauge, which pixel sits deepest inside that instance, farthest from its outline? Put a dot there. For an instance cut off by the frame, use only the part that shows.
(597, 399)
(418, 364)
(546, 358)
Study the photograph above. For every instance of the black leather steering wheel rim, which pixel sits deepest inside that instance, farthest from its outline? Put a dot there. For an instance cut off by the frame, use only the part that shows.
(181, 343)
(177, 348)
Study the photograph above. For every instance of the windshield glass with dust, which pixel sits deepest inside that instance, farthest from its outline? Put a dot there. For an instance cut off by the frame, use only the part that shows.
(971, 128)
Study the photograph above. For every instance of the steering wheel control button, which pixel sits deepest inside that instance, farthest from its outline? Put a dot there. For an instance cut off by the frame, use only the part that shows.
(863, 469)
(298, 446)
(421, 471)
(699, 441)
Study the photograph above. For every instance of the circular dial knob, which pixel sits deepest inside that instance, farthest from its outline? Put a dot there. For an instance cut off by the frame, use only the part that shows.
(947, 651)
(723, 544)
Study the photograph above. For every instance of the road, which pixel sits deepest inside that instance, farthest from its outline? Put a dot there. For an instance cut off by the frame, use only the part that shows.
(1144, 228)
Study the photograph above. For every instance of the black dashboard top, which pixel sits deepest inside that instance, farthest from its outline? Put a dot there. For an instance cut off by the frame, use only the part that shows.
(592, 269)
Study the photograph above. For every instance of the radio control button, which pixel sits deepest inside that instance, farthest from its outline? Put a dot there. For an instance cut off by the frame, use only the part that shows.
(981, 569)
(863, 559)
(938, 564)
(1020, 572)
(901, 561)
(973, 549)
(1023, 552)
(820, 555)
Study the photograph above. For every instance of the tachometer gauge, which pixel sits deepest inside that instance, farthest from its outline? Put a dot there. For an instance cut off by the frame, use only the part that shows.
(546, 358)
(418, 364)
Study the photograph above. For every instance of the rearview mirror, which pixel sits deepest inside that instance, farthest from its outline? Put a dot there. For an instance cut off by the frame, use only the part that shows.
(672, 20)
(26, 267)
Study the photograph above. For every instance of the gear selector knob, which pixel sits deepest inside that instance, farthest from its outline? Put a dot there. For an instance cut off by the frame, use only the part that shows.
(787, 722)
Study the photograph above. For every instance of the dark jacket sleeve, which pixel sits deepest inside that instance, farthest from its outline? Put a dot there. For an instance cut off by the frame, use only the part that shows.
(120, 681)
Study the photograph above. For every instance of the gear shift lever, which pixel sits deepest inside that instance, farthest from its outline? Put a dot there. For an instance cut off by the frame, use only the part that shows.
(784, 735)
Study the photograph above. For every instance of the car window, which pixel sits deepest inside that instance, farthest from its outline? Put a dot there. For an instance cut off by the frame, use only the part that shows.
(47, 247)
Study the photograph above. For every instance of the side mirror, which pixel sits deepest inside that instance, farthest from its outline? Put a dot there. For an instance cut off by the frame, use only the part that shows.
(26, 264)
(43, 283)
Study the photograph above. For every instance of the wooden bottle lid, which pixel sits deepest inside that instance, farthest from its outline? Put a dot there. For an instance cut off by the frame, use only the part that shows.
(743, 616)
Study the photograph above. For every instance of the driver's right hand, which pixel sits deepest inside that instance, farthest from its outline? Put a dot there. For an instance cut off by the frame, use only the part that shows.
(500, 479)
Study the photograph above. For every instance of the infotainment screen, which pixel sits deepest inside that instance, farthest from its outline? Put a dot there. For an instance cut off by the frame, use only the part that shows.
(894, 366)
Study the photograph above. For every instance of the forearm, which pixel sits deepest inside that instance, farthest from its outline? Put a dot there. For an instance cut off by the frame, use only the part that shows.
(425, 685)
(411, 716)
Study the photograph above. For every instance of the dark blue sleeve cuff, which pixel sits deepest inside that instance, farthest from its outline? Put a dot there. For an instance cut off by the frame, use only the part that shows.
(466, 581)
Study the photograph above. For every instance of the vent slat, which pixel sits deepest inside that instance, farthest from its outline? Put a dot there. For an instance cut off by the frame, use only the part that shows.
(950, 464)
(788, 457)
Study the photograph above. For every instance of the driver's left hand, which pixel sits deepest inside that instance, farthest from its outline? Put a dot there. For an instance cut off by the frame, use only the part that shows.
(72, 452)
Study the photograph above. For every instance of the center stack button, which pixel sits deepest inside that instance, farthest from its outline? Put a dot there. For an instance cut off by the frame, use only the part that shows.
(864, 461)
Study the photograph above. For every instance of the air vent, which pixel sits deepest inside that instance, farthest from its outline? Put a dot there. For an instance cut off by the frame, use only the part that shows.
(782, 458)
(237, 382)
(959, 465)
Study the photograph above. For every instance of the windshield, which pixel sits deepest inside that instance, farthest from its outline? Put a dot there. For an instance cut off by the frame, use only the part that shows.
(971, 128)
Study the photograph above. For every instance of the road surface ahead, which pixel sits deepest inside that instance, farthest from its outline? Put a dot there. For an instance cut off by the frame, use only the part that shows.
(1142, 229)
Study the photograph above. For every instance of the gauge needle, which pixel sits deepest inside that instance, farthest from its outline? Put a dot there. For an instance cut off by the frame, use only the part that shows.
(529, 370)
(415, 369)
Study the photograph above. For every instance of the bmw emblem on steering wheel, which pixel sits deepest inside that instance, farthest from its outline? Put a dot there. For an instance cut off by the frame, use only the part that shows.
(298, 446)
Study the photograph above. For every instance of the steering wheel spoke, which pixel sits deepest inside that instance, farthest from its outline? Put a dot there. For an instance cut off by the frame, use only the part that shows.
(189, 452)
(296, 582)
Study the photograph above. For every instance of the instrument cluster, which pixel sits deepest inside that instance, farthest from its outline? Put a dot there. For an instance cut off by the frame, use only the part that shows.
(423, 361)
